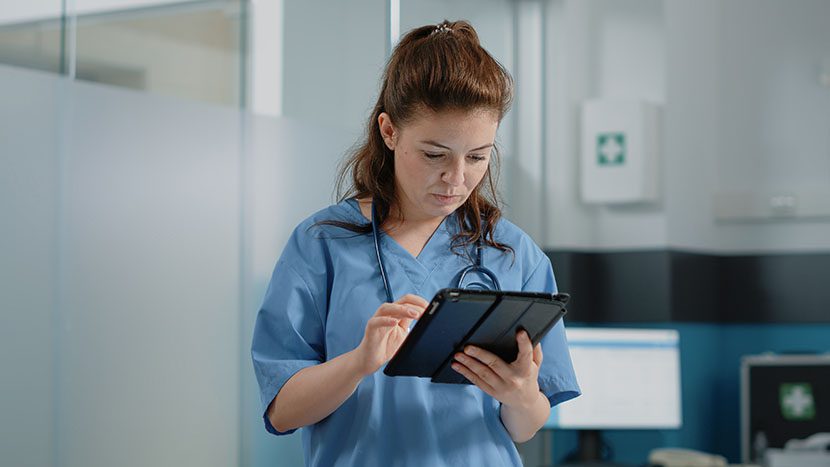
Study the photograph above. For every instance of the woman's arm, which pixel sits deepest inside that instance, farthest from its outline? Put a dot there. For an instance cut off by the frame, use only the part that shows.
(522, 422)
(313, 393)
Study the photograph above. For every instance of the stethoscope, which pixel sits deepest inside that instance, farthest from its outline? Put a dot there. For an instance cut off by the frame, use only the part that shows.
(477, 267)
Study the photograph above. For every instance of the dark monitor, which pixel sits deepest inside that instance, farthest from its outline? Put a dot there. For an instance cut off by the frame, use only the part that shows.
(783, 397)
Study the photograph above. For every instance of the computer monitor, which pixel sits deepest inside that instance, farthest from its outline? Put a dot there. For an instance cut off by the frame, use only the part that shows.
(630, 379)
(783, 397)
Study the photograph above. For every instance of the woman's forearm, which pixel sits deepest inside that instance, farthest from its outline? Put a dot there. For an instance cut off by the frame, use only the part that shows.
(523, 422)
(313, 393)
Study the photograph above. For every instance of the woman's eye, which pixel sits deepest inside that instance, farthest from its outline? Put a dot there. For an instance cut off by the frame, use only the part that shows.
(433, 155)
(476, 157)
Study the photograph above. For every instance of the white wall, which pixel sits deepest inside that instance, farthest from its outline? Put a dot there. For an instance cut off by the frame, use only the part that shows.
(746, 114)
(743, 111)
(333, 56)
(691, 122)
(599, 49)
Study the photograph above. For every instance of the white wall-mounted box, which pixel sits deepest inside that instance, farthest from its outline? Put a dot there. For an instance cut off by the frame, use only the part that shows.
(620, 145)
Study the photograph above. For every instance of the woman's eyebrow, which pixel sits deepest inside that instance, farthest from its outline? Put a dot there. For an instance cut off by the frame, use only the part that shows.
(433, 143)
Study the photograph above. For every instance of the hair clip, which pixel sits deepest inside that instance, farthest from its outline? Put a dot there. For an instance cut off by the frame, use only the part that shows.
(443, 27)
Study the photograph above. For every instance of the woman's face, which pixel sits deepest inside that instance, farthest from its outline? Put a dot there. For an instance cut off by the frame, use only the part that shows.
(439, 159)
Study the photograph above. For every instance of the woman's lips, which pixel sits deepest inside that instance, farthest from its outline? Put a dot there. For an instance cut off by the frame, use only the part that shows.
(446, 199)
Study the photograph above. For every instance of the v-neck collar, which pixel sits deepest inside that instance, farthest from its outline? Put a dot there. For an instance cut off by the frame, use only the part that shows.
(424, 255)
(419, 257)
(417, 268)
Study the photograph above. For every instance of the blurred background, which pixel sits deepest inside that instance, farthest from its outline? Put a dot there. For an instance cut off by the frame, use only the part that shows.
(155, 155)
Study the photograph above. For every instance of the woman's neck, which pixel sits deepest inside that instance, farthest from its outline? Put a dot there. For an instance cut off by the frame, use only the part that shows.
(411, 234)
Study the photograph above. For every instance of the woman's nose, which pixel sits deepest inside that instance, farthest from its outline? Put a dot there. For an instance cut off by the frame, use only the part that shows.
(454, 173)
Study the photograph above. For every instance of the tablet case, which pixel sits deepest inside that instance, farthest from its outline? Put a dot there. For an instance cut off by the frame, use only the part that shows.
(487, 319)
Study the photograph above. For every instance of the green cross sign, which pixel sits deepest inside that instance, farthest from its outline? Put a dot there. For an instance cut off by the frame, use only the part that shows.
(797, 401)
(611, 148)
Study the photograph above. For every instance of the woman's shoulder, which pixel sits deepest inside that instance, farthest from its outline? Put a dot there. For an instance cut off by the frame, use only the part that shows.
(346, 210)
(524, 247)
(532, 263)
(506, 231)
(326, 220)
(337, 221)
(312, 238)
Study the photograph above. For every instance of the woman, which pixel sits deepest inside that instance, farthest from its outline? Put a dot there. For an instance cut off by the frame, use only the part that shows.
(328, 322)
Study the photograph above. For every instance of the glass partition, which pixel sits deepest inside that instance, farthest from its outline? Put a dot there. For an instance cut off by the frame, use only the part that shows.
(31, 34)
(191, 49)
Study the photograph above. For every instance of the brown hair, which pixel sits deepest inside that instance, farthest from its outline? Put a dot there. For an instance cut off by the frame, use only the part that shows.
(437, 68)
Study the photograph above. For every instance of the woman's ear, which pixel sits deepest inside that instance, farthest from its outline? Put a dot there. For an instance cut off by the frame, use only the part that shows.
(387, 130)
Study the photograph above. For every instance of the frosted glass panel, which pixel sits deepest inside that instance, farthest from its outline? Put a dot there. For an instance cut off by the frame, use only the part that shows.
(28, 213)
(142, 231)
(120, 291)
(149, 370)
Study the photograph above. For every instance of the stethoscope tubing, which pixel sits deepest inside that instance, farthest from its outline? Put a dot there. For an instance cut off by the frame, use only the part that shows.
(382, 267)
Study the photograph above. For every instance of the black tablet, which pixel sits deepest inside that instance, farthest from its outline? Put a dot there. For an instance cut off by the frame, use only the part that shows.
(484, 318)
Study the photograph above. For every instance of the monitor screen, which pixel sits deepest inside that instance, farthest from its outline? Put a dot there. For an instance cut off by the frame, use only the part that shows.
(783, 397)
(630, 378)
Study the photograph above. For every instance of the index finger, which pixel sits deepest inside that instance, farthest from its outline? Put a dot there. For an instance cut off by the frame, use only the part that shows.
(398, 311)
(412, 299)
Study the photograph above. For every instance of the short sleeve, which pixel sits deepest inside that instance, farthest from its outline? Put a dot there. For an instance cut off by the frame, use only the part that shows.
(289, 333)
(557, 379)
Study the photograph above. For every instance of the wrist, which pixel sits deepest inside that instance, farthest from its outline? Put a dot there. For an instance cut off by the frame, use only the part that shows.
(357, 363)
(523, 419)
(528, 402)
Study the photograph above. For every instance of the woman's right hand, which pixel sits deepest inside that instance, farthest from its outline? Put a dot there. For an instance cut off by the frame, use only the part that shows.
(386, 331)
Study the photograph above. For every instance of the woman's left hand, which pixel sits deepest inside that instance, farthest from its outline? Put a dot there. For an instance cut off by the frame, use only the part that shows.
(512, 384)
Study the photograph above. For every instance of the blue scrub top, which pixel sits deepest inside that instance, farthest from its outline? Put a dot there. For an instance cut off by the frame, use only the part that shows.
(326, 286)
